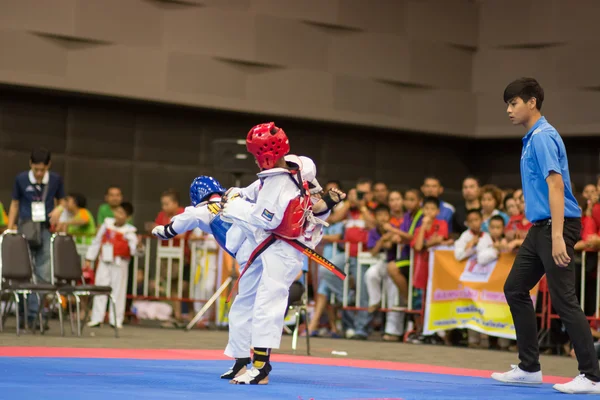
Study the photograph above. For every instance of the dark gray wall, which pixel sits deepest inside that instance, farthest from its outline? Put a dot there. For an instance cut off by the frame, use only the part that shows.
(147, 148)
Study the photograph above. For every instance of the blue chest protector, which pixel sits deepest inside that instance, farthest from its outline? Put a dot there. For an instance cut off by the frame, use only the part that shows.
(219, 230)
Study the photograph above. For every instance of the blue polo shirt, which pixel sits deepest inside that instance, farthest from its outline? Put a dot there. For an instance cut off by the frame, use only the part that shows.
(26, 191)
(544, 152)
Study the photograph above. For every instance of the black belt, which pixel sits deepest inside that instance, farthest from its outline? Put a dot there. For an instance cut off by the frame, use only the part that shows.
(548, 221)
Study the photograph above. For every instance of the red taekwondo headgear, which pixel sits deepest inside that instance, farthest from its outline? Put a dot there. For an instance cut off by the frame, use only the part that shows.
(267, 143)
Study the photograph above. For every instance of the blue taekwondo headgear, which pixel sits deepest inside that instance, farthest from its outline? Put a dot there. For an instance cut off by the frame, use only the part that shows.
(202, 187)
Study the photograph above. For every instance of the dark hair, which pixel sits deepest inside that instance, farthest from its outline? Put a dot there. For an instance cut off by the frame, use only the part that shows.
(380, 183)
(497, 218)
(113, 187)
(472, 177)
(432, 200)
(417, 193)
(40, 156)
(127, 207)
(172, 193)
(380, 208)
(79, 199)
(360, 181)
(337, 183)
(435, 178)
(473, 211)
(507, 197)
(525, 89)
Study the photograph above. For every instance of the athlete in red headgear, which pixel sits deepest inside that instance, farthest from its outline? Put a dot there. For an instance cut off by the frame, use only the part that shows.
(278, 205)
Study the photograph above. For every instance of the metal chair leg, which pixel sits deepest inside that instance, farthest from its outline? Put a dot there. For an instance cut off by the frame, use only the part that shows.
(39, 313)
(60, 314)
(70, 307)
(296, 328)
(114, 307)
(306, 322)
(77, 307)
(16, 296)
(1, 315)
(6, 308)
(40, 317)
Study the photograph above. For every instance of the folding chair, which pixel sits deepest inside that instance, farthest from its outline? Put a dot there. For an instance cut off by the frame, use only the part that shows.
(65, 264)
(17, 279)
(300, 307)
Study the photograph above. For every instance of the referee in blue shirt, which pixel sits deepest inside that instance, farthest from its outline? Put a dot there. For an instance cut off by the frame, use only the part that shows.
(548, 247)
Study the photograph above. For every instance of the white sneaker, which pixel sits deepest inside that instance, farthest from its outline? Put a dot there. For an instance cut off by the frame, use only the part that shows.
(517, 375)
(579, 385)
(93, 324)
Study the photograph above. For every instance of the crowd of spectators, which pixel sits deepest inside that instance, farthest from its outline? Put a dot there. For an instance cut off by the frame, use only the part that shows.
(386, 222)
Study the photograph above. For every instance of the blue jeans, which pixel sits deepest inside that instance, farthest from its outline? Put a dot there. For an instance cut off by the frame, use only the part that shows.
(41, 270)
(357, 320)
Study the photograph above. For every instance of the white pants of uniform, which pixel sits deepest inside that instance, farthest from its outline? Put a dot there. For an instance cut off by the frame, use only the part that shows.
(257, 313)
(378, 279)
(115, 276)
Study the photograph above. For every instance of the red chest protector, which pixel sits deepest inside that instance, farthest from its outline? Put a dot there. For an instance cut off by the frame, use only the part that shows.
(294, 218)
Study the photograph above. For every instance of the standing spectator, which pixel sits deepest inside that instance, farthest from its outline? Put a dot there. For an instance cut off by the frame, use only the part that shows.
(113, 199)
(380, 193)
(38, 200)
(491, 198)
(518, 225)
(432, 187)
(361, 205)
(432, 232)
(399, 268)
(381, 241)
(170, 205)
(470, 193)
(589, 191)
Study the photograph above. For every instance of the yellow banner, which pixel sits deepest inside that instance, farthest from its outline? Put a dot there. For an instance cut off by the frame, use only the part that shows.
(464, 294)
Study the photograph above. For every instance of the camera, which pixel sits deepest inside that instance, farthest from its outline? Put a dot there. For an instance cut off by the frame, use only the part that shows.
(360, 195)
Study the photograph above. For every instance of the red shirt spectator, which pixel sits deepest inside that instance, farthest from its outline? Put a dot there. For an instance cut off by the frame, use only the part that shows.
(421, 258)
(517, 227)
(355, 231)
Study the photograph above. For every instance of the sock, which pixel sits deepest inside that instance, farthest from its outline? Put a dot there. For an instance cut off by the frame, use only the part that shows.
(261, 357)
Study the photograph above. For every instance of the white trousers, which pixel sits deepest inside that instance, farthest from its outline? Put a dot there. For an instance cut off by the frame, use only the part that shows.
(257, 313)
(115, 276)
(377, 279)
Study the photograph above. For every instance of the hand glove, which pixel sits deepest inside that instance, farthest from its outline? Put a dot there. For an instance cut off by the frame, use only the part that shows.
(164, 232)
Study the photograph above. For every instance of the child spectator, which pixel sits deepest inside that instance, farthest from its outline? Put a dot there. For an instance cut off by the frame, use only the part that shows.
(493, 243)
(432, 232)
(380, 242)
(517, 227)
(113, 199)
(399, 268)
(510, 206)
(491, 199)
(76, 220)
(116, 243)
(466, 245)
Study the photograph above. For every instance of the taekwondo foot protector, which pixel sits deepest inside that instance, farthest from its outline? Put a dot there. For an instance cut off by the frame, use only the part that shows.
(237, 369)
(254, 376)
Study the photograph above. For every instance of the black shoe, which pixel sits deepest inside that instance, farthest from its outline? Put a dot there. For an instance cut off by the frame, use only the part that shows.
(255, 376)
(240, 364)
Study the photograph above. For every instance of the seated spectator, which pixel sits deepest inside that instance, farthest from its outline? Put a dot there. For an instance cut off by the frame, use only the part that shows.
(77, 220)
(432, 187)
(113, 198)
(432, 232)
(590, 191)
(170, 207)
(466, 245)
(491, 199)
(380, 242)
(399, 267)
